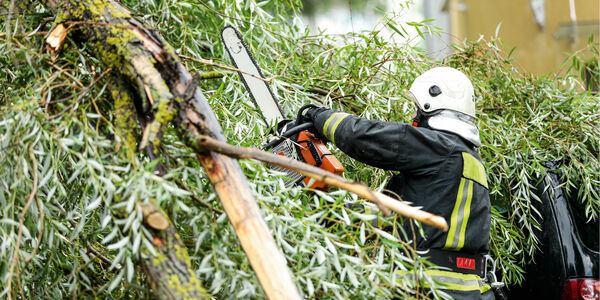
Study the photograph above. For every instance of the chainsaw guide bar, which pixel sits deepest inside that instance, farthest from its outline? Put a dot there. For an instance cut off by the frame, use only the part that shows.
(252, 76)
(304, 146)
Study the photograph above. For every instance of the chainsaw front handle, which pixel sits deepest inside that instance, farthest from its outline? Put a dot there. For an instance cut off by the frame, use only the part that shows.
(287, 134)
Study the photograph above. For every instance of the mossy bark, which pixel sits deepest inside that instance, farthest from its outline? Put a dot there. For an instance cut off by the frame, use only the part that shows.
(125, 117)
(169, 271)
(141, 96)
(163, 92)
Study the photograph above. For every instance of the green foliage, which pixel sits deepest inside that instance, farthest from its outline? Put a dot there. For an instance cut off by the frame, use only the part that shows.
(55, 123)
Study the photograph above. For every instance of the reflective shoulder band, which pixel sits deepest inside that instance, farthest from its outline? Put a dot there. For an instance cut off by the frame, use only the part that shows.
(473, 169)
(331, 125)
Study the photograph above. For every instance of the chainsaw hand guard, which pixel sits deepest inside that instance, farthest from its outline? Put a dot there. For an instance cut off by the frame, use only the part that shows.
(305, 117)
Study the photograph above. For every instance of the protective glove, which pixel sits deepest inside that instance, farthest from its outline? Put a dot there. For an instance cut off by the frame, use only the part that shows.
(303, 115)
(289, 129)
(307, 114)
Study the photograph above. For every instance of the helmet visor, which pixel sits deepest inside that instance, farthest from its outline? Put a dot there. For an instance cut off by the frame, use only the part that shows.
(409, 95)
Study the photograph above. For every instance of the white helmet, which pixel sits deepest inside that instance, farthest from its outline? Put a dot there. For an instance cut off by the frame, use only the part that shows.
(446, 96)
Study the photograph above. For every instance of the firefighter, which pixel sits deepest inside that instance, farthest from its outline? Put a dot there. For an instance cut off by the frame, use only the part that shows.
(439, 170)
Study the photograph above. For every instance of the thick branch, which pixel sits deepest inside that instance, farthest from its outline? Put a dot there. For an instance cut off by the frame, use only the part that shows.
(170, 272)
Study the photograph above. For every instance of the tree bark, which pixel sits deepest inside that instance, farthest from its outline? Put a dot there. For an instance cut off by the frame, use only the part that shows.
(164, 92)
(169, 272)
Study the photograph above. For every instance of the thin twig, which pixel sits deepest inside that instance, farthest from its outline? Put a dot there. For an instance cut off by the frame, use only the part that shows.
(183, 186)
(90, 248)
(318, 90)
(85, 90)
(81, 267)
(15, 257)
(107, 262)
(22, 35)
(20, 285)
(226, 67)
(377, 71)
(344, 96)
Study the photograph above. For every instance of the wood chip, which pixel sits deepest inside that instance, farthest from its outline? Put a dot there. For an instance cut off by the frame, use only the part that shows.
(56, 39)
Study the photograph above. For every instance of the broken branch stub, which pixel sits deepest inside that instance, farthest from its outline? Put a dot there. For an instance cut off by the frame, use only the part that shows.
(170, 271)
(56, 39)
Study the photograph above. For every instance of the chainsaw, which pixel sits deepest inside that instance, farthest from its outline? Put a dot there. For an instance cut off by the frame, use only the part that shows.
(294, 140)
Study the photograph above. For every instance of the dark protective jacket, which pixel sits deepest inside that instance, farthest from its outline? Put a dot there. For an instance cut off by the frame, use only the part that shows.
(440, 172)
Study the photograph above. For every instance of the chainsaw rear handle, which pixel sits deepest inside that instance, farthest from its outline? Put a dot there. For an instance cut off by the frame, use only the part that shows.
(312, 149)
(289, 133)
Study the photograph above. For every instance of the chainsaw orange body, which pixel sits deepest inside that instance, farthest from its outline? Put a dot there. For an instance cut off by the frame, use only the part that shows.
(315, 153)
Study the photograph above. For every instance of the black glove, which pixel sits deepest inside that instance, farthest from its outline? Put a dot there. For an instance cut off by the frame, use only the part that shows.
(307, 114)
(289, 129)
(304, 115)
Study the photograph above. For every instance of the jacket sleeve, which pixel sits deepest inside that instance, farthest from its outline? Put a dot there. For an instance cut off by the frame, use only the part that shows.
(387, 145)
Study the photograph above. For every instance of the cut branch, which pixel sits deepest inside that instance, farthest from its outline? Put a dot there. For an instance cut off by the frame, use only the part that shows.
(170, 271)
(383, 201)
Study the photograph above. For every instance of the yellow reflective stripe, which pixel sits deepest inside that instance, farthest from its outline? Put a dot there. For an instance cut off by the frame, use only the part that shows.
(466, 214)
(451, 280)
(372, 211)
(326, 126)
(454, 216)
(335, 125)
(473, 169)
(484, 288)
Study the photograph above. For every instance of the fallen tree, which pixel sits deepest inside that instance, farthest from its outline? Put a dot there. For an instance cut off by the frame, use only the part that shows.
(161, 91)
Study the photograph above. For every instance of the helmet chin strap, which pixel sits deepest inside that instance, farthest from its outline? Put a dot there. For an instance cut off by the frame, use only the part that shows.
(420, 120)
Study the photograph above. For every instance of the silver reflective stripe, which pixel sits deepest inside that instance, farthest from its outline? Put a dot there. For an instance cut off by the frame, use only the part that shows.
(450, 280)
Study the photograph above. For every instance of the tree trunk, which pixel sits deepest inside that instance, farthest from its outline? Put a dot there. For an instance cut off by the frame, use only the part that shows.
(164, 91)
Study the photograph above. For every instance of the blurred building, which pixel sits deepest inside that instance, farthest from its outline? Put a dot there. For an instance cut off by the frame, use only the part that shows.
(543, 31)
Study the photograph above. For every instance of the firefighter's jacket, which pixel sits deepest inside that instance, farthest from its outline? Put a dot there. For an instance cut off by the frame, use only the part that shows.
(439, 171)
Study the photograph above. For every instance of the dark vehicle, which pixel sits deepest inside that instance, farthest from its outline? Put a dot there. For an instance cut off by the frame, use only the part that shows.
(567, 265)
